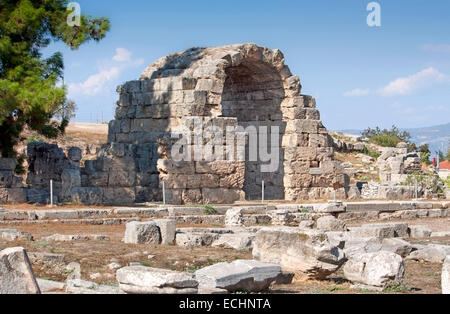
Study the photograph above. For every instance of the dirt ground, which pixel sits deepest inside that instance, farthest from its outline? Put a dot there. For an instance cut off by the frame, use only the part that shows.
(95, 256)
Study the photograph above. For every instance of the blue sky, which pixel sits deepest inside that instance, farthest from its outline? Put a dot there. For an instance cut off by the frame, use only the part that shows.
(361, 76)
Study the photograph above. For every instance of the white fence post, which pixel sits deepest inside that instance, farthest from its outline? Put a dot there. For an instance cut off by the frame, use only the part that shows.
(51, 193)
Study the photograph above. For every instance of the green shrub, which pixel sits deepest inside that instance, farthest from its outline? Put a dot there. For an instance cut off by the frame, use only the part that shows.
(209, 210)
(386, 138)
(371, 153)
(34, 138)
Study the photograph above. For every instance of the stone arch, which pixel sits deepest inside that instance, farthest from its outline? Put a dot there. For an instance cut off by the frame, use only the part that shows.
(236, 85)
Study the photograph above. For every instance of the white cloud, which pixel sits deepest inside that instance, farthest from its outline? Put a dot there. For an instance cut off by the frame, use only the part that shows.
(407, 85)
(109, 72)
(445, 48)
(122, 55)
(437, 108)
(95, 83)
(357, 92)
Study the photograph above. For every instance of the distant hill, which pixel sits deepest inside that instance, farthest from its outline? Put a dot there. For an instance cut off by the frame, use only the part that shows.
(437, 137)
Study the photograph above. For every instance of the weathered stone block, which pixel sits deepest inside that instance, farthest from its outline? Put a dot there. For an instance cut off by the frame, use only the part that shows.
(16, 274)
(240, 275)
(167, 228)
(118, 196)
(308, 252)
(146, 280)
(142, 233)
(375, 269)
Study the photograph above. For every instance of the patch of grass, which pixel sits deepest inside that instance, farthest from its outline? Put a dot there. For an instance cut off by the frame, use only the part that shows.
(319, 291)
(43, 244)
(335, 289)
(66, 272)
(372, 153)
(397, 288)
(34, 139)
(209, 210)
(111, 284)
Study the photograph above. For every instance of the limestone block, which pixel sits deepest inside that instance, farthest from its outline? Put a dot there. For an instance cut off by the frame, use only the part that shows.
(118, 196)
(234, 217)
(420, 232)
(222, 196)
(87, 195)
(240, 275)
(167, 228)
(330, 223)
(432, 253)
(196, 239)
(375, 269)
(71, 178)
(146, 280)
(240, 241)
(142, 233)
(16, 274)
(397, 246)
(308, 252)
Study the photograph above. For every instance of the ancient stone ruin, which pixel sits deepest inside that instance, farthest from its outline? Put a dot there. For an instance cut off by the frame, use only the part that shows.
(207, 125)
(232, 86)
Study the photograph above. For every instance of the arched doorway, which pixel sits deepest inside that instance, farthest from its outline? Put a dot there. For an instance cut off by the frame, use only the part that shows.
(253, 92)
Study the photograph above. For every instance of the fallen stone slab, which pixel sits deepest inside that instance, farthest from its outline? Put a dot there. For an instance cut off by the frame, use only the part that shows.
(378, 269)
(330, 223)
(196, 239)
(16, 274)
(432, 253)
(15, 235)
(442, 234)
(56, 214)
(66, 238)
(240, 275)
(147, 280)
(78, 286)
(419, 232)
(50, 258)
(50, 286)
(141, 212)
(205, 230)
(99, 237)
(306, 225)
(382, 230)
(356, 246)
(397, 246)
(330, 208)
(299, 251)
(446, 276)
(238, 241)
(142, 233)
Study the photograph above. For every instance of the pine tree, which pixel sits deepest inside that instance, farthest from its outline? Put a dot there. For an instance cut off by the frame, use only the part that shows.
(29, 91)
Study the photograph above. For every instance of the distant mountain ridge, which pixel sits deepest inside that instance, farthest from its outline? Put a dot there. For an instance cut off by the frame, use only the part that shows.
(438, 137)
